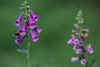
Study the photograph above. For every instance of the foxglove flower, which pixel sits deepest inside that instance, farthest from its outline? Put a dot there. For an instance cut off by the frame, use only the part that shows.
(19, 41)
(34, 36)
(32, 23)
(18, 20)
(79, 51)
(77, 40)
(22, 29)
(70, 42)
(83, 61)
(85, 30)
(74, 59)
(38, 30)
(75, 47)
(89, 49)
(74, 31)
(84, 36)
(81, 43)
(34, 16)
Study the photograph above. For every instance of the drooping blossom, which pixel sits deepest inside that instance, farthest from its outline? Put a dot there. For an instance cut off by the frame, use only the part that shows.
(84, 36)
(83, 61)
(32, 23)
(22, 29)
(74, 59)
(18, 20)
(34, 16)
(38, 30)
(81, 43)
(85, 30)
(77, 40)
(89, 49)
(19, 41)
(79, 51)
(75, 47)
(34, 36)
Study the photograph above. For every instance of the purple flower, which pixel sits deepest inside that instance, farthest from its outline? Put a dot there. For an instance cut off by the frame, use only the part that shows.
(79, 51)
(84, 36)
(76, 42)
(85, 30)
(19, 41)
(89, 49)
(34, 36)
(22, 29)
(83, 61)
(74, 59)
(38, 30)
(34, 16)
(75, 47)
(18, 20)
(70, 42)
(80, 43)
(74, 31)
(74, 37)
(32, 23)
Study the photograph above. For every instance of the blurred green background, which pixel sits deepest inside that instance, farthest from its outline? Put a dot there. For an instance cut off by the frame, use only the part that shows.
(56, 18)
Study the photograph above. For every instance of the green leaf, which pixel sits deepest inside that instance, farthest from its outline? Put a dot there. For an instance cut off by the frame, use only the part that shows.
(25, 51)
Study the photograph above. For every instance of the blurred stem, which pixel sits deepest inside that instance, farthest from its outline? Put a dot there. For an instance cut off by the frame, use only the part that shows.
(87, 64)
(28, 43)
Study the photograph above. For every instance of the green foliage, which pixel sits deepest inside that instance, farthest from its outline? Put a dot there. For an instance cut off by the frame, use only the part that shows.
(25, 51)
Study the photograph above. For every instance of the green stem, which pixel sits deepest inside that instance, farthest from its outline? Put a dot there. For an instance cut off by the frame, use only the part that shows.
(28, 43)
(87, 64)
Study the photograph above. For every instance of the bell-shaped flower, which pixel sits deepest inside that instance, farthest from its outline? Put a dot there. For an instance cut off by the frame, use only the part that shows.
(19, 41)
(89, 49)
(34, 16)
(79, 51)
(75, 47)
(38, 30)
(32, 23)
(74, 59)
(18, 20)
(85, 30)
(22, 29)
(34, 36)
(81, 43)
(83, 61)
(70, 42)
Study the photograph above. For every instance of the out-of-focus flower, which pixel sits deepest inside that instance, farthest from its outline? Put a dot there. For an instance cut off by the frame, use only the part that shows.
(85, 30)
(74, 59)
(83, 61)
(75, 47)
(89, 49)
(79, 51)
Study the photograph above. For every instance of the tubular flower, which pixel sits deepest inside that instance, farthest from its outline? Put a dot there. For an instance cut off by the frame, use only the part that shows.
(34, 36)
(89, 49)
(22, 29)
(34, 16)
(38, 30)
(32, 23)
(83, 61)
(77, 40)
(74, 59)
(18, 20)
(19, 41)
